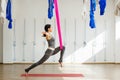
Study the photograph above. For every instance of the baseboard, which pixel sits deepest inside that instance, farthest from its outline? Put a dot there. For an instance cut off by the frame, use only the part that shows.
(64, 63)
(26, 63)
(117, 63)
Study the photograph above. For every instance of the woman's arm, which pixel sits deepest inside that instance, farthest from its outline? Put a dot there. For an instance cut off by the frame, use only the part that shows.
(47, 35)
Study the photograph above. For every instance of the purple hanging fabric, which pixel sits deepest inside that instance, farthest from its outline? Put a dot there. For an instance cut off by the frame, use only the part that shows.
(9, 14)
(92, 9)
(102, 4)
(50, 8)
(58, 23)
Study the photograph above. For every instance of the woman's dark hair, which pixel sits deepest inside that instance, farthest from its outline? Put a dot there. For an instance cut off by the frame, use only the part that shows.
(47, 26)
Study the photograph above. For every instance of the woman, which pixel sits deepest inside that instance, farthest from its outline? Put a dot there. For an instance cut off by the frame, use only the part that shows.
(51, 50)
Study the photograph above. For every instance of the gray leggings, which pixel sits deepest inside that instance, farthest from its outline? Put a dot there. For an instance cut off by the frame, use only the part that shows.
(48, 53)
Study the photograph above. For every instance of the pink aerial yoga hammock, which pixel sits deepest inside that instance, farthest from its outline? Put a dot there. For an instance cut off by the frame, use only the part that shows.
(58, 23)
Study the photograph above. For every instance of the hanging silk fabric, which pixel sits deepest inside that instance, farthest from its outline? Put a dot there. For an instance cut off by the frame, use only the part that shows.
(92, 9)
(102, 4)
(58, 23)
(2, 10)
(9, 14)
(50, 8)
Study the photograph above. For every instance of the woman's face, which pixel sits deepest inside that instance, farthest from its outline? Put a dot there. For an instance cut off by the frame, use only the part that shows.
(50, 29)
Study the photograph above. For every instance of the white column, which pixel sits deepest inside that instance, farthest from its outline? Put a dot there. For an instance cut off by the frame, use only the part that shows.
(7, 44)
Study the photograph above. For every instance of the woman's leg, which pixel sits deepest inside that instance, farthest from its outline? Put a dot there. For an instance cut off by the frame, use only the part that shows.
(61, 54)
(48, 53)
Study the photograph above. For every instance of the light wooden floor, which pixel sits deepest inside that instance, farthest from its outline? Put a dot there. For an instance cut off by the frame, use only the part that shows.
(90, 71)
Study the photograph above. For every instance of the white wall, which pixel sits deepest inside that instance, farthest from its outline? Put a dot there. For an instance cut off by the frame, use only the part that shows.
(30, 16)
(117, 32)
(117, 39)
(1, 43)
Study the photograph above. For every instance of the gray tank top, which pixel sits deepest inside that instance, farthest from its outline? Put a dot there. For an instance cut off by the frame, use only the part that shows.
(51, 42)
